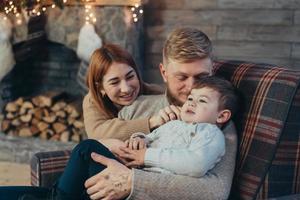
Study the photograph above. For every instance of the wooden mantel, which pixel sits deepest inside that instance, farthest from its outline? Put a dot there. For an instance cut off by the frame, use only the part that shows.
(98, 2)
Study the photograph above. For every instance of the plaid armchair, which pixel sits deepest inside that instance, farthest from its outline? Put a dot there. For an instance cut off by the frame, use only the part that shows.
(268, 160)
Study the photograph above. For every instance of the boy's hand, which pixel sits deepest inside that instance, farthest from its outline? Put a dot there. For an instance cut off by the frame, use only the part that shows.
(136, 157)
(135, 143)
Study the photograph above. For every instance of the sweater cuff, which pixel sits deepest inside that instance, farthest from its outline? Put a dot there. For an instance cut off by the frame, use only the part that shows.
(138, 187)
(152, 157)
(148, 125)
(132, 186)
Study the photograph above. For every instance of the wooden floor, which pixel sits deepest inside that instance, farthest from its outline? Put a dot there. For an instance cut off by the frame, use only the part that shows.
(14, 174)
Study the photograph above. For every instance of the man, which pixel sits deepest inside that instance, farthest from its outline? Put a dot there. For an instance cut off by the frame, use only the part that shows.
(187, 56)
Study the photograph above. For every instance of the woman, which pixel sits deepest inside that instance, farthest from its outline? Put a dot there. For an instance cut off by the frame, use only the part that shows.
(113, 81)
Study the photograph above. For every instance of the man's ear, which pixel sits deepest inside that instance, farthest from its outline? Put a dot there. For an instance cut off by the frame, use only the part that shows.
(163, 72)
(223, 116)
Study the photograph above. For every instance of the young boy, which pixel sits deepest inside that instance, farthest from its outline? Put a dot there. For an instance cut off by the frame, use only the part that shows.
(193, 145)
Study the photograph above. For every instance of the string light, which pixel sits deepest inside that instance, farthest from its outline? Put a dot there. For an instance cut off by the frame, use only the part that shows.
(136, 12)
(14, 7)
(89, 15)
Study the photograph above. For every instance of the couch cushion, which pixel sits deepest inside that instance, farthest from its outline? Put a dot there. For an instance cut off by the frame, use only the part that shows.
(268, 94)
(46, 167)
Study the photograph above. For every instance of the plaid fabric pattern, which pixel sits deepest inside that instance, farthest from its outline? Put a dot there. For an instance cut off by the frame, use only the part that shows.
(46, 167)
(268, 160)
(268, 127)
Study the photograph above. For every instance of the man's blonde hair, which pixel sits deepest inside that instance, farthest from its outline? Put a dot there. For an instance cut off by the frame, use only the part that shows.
(185, 45)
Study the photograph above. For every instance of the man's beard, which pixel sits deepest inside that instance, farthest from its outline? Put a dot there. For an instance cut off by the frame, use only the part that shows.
(171, 98)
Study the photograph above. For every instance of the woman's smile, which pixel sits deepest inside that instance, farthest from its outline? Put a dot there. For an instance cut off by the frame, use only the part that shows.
(128, 97)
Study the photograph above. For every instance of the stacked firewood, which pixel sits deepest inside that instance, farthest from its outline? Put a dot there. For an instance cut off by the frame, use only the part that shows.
(46, 116)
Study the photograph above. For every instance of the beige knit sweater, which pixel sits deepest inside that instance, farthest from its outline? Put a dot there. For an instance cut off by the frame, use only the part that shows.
(99, 126)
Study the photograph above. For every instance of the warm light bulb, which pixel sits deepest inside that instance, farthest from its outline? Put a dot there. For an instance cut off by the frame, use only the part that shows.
(38, 13)
(65, 1)
(134, 15)
(44, 9)
(133, 9)
(10, 3)
(141, 11)
(135, 19)
(136, 5)
(94, 20)
(19, 21)
(53, 6)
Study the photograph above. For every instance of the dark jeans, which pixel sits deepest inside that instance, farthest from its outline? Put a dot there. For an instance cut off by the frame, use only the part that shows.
(71, 183)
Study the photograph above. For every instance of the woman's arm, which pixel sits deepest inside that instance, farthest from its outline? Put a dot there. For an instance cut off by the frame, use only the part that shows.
(99, 126)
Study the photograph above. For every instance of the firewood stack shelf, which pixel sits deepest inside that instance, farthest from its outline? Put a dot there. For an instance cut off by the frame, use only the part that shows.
(50, 116)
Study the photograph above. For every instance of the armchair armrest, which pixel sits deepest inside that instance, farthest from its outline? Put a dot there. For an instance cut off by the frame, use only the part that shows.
(46, 167)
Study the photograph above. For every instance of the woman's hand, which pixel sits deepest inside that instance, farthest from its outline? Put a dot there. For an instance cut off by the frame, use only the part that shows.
(113, 145)
(135, 143)
(135, 158)
(166, 114)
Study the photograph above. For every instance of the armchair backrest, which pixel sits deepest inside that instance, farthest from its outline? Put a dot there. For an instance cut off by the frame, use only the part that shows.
(268, 160)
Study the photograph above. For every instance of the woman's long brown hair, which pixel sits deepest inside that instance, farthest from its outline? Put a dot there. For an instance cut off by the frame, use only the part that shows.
(100, 62)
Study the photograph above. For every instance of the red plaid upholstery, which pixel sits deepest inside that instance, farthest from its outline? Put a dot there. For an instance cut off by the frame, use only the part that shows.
(269, 126)
(46, 167)
(268, 160)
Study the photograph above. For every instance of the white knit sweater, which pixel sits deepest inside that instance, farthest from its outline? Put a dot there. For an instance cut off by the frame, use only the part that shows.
(199, 146)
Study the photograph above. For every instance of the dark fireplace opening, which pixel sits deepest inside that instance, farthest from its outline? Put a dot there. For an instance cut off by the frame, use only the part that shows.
(50, 66)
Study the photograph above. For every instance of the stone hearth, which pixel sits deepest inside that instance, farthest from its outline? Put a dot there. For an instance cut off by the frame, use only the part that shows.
(20, 150)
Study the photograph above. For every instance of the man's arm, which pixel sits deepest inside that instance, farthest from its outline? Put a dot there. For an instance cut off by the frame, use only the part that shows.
(215, 184)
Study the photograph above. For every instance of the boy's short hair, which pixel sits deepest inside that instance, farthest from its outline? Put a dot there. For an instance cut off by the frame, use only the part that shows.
(185, 45)
(228, 96)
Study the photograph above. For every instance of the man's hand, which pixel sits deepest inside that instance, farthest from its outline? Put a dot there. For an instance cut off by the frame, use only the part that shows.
(112, 183)
(135, 157)
(135, 143)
